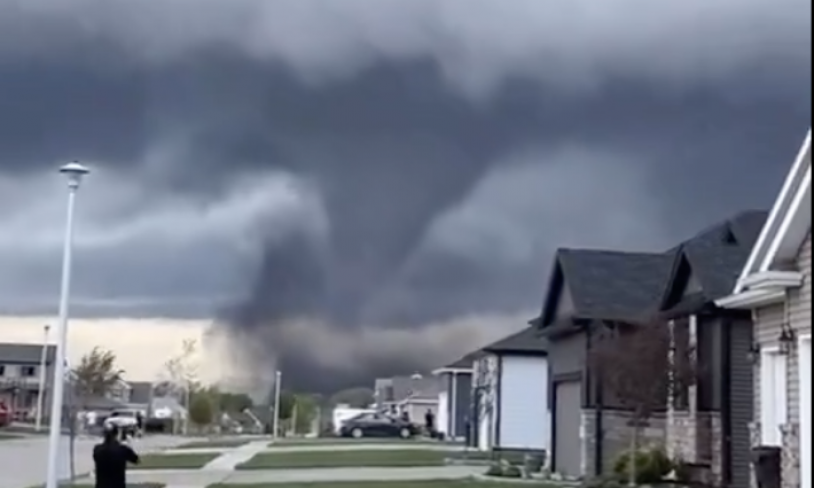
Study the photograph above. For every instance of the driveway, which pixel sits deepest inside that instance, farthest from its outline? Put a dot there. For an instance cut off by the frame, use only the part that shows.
(23, 462)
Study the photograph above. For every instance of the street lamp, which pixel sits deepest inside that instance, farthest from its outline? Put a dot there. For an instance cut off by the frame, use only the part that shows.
(43, 378)
(74, 172)
(276, 424)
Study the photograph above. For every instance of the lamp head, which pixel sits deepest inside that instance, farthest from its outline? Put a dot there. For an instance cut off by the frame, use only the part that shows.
(74, 171)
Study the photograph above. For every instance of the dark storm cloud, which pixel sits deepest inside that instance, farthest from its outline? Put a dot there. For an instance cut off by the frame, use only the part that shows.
(397, 112)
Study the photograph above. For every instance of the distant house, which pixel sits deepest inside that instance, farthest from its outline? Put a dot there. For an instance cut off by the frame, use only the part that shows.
(774, 286)
(413, 395)
(20, 376)
(455, 396)
(513, 411)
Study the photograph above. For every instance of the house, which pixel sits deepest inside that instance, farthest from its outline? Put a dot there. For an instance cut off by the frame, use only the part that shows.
(21, 376)
(517, 366)
(455, 396)
(589, 292)
(775, 287)
(413, 395)
(708, 422)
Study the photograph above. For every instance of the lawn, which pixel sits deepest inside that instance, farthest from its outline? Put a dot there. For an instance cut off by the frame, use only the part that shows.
(358, 458)
(5, 436)
(391, 484)
(175, 461)
(213, 444)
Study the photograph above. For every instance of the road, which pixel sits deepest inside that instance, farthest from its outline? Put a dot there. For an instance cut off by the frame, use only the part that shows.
(23, 461)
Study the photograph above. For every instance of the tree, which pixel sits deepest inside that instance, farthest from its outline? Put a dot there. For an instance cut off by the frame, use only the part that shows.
(96, 374)
(201, 409)
(359, 397)
(234, 402)
(634, 363)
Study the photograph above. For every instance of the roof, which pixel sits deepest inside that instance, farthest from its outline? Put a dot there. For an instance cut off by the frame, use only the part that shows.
(789, 221)
(140, 391)
(527, 342)
(716, 255)
(611, 285)
(25, 353)
(418, 387)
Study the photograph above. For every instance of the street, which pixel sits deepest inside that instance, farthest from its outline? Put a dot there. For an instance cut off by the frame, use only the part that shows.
(23, 461)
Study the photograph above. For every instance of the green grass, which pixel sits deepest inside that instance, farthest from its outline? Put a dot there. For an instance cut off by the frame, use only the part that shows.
(4, 436)
(470, 483)
(175, 461)
(214, 444)
(384, 458)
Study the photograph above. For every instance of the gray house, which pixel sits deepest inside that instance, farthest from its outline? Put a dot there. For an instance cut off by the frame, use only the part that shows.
(413, 395)
(707, 423)
(775, 287)
(21, 374)
(455, 397)
(590, 291)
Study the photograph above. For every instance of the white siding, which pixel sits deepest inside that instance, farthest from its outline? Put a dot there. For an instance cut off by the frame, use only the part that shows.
(442, 420)
(525, 419)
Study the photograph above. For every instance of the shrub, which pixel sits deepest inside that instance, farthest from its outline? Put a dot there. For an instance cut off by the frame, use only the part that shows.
(604, 482)
(651, 466)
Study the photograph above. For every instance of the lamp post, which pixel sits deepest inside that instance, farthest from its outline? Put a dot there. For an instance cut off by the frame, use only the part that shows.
(74, 172)
(276, 423)
(43, 378)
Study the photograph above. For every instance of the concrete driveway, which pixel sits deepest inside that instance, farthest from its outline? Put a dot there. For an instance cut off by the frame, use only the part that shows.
(23, 462)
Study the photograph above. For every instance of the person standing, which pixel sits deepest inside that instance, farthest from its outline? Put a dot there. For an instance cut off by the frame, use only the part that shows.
(429, 422)
(110, 460)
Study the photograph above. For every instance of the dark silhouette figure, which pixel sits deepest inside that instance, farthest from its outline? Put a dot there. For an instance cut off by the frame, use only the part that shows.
(110, 459)
(429, 422)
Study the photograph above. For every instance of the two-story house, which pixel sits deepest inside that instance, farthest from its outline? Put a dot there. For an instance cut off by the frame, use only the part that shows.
(21, 375)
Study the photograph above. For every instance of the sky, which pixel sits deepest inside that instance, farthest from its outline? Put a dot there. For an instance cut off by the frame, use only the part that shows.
(352, 189)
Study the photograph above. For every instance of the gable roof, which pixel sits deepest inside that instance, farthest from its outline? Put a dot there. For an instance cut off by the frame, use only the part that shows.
(526, 342)
(611, 285)
(788, 223)
(462, 365)
(715, 257)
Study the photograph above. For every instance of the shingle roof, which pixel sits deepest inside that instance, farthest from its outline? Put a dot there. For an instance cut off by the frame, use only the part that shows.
(466, 361)
(527, 341)
(25, 353)
(404, 387)
(613, 284)
(717, 255)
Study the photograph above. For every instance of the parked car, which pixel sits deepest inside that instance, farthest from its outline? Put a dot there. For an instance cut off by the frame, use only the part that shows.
(377, 425)
(125, 420)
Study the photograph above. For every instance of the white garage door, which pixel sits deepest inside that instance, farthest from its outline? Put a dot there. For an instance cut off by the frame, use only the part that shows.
(442, 420)
(524, 415)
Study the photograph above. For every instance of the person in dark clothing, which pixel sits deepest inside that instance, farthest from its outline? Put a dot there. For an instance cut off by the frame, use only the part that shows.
(110, 459)
(429, 423)
(139, 424)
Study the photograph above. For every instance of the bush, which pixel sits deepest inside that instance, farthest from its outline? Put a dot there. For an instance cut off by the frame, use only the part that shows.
(504, 470)
(604, 482)
(651, 466)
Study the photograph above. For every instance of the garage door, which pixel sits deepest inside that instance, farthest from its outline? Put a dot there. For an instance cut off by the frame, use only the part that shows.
(567, 445)
(524, 420)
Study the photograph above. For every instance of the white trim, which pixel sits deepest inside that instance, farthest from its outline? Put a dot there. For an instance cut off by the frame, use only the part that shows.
(794, 226)
(773, 279)
(804, 347)
(752, 299)
(770, 230)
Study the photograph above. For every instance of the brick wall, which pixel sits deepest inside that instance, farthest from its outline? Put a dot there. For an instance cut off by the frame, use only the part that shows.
(616, 437)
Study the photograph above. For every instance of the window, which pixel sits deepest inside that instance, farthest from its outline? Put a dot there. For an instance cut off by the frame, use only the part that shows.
(773, 395)
(2, 370)
(28, 371)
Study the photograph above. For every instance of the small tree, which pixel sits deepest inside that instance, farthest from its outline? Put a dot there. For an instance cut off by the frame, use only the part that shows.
(201, 409)
(633, 362)
(96, 374)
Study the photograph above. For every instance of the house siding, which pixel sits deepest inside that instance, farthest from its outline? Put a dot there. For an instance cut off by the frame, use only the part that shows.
(768, 326)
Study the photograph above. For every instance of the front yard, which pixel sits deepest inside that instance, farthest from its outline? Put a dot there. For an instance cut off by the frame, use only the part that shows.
(175, 461)
(213, 444)
(358, 458)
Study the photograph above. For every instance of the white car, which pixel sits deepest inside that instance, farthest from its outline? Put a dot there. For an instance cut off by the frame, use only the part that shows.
(125, 420)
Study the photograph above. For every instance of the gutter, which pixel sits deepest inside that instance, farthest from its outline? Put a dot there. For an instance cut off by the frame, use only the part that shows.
(766, 288)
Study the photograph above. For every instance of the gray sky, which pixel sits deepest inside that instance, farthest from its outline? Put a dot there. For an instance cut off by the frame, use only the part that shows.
(377, 164)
